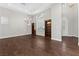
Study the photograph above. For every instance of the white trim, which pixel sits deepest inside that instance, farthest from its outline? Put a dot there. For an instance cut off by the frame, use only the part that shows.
(71, 35)
(13, 36)
(78, 43)
(56, 39)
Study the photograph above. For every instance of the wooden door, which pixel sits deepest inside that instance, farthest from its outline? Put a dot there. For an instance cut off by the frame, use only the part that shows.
(48, 28)
(33, 29)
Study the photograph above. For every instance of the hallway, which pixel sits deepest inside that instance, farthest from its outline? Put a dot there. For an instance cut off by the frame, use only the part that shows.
(37, 46)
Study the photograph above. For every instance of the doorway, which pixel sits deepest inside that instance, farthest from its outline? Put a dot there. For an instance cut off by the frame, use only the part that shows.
(48, 28)
(33, 29)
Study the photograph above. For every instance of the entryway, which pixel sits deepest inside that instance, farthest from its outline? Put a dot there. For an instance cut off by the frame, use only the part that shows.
(48, 28)
(33, 29)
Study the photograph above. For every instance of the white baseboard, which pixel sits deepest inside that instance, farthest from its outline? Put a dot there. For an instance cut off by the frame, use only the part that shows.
(64, 35)
(78, 43)
(56, 39)
(70, 35)
(13, 36)
(40, 34)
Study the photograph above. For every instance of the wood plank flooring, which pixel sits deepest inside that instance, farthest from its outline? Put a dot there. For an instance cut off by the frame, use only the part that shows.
(38, 46)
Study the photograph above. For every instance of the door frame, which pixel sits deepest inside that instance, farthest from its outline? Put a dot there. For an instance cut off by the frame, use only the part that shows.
(49, 20)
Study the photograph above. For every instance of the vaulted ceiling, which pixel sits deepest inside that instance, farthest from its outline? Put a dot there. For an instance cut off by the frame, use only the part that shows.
(28, 8)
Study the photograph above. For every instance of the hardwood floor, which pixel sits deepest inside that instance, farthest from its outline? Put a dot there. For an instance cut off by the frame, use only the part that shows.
(38, 46)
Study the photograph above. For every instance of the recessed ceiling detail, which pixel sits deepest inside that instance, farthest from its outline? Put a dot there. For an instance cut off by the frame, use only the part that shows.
(29, 8)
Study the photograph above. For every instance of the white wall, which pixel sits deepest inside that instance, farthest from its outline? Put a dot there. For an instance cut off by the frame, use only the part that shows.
(16, 25)
(70, 19)
(40, 22)
(65, 20)
(56, 22)
(54, 14)
(78, 20)
(78, 24)
(75, 17)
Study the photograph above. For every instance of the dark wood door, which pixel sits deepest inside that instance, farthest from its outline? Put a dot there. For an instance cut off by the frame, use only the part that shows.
(48, 28)
(33, 29)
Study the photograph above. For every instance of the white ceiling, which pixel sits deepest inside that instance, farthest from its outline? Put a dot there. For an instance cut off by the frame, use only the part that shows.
(28, 8)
